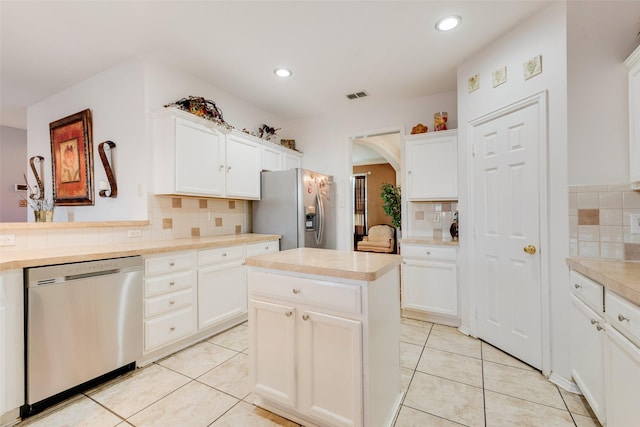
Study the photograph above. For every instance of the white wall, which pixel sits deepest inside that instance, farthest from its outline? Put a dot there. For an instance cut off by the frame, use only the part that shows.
(13, 145)
(542, 34)
(327, 148)
(116, 100)
(600, 37)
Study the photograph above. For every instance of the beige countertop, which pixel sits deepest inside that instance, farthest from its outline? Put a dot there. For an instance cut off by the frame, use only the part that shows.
(430, 240)
(47, 256)
(621, 277)
(327, 262)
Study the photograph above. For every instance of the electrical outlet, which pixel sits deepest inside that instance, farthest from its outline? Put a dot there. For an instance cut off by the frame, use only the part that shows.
(134, 233)
(7, 239)
(635, 223)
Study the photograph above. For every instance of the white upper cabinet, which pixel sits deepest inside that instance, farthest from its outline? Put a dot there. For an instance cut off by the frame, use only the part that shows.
(194, 158)
(431, 166)
(243, 166)
(276, 157)
(633, 62)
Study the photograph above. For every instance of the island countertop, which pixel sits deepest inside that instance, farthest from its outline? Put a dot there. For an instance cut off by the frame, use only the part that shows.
(367, 266)
(621, 277)
(46, 256)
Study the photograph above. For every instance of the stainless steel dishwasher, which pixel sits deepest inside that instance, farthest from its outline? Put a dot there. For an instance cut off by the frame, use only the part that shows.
(83, 325)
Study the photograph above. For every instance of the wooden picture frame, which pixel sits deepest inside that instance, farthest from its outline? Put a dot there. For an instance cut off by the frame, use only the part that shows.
(72, 159)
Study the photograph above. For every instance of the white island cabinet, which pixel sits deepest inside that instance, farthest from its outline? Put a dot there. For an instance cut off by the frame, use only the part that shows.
(11, 346)
(324, 336)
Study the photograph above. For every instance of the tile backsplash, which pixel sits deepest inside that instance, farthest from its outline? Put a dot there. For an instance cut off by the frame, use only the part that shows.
(430, 219)
(600, 221)
(169, 218)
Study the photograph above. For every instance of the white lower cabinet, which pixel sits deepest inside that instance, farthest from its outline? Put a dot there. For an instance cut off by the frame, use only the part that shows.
(222, 287)
(622, 373)
(429, 283)
(310, 349)
(169, 298)
(587, 354)
(11, 346)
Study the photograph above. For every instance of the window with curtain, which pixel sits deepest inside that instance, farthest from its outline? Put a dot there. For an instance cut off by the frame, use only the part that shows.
(360, 204)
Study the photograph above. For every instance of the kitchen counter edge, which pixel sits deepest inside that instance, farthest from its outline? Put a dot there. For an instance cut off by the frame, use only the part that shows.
(431, 241)
(366, 266)
(621, 277)
(47, 256)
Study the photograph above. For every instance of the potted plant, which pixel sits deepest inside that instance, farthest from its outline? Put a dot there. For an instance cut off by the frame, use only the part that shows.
(392, 203)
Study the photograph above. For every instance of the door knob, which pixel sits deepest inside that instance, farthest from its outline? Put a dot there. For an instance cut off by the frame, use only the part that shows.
(530, 249)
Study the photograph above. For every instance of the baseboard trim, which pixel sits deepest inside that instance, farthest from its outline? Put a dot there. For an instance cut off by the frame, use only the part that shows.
(564, 383)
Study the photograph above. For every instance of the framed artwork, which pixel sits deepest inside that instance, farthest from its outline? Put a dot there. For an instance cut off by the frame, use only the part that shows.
(72, 159)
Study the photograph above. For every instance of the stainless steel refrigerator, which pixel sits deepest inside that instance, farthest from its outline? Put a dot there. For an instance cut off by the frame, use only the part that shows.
(299, 205)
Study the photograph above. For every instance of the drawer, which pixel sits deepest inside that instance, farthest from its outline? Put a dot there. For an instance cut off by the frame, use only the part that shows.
(429, 252)
(167, 303)
(168, 263)
(623, 315)
(219, 255)
(588, 291)
(263, 248)
(168, 328)
(316, 293)
(169, 283)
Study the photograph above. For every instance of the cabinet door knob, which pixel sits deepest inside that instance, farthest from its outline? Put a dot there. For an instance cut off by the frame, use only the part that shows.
(598, 327)
(577, 286)
(622, 317)
(172, 302)
(221, 167)
(305, 317)
(172, 283)
(288, 313)
(594, 321)
(296, 291)
(428, 253)
(172, 264)
(173, 328)
(224, 254)
(409, 172)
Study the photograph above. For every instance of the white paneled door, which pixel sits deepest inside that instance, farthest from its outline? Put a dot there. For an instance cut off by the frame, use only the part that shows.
(506, 248)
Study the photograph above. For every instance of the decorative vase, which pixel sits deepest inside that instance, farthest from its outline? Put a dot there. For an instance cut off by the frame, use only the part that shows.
(43, 216)
(440, 121)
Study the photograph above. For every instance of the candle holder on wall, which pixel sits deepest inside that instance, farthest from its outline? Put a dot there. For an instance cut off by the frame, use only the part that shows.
(113, 186)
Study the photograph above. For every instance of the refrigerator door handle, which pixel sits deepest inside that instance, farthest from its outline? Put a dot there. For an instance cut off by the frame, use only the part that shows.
(320, 227)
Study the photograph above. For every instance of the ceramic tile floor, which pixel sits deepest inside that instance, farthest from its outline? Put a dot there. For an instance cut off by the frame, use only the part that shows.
(450, 380)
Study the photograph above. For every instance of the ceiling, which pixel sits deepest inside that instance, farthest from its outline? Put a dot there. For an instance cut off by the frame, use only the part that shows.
(390, 49)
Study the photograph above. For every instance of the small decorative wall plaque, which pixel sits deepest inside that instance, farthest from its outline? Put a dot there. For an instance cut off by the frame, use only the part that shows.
(532, 67)
(499, 76)
(473, 83)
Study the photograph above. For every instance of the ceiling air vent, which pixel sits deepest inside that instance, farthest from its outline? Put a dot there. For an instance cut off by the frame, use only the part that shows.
(357, 95)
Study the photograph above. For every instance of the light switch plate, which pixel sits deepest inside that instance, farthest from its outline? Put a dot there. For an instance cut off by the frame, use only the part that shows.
(7, 239)
(635, 223)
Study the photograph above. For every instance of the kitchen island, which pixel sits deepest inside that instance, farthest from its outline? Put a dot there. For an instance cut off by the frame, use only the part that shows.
(324, 336)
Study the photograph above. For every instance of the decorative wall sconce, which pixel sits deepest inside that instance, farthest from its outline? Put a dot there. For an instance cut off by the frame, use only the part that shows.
(113, 186)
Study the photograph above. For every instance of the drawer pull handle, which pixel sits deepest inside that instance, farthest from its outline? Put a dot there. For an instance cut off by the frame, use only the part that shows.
(598, 327)
(224, 254)
(296, 291)
(288, 313)
(594, 321)
(172, 264)
(305, 317)
(172, 283)
(577, 286)
(428, 253)
(171, 302)
(622, 318)
(173, 328)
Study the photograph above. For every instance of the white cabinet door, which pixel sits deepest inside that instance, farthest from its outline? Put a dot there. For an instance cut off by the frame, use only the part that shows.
(431, 171)
(330, 366)
(587, 355)
(292, 161)
(622, 369)
(633, 62)
(222, 293)
(430, 287)
(199, 160)
(272, 351)
(272, 158)
(243, 167)
(11, 344)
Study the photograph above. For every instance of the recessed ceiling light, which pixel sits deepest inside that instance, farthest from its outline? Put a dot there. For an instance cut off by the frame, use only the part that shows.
(448, 23)
(282, 72)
